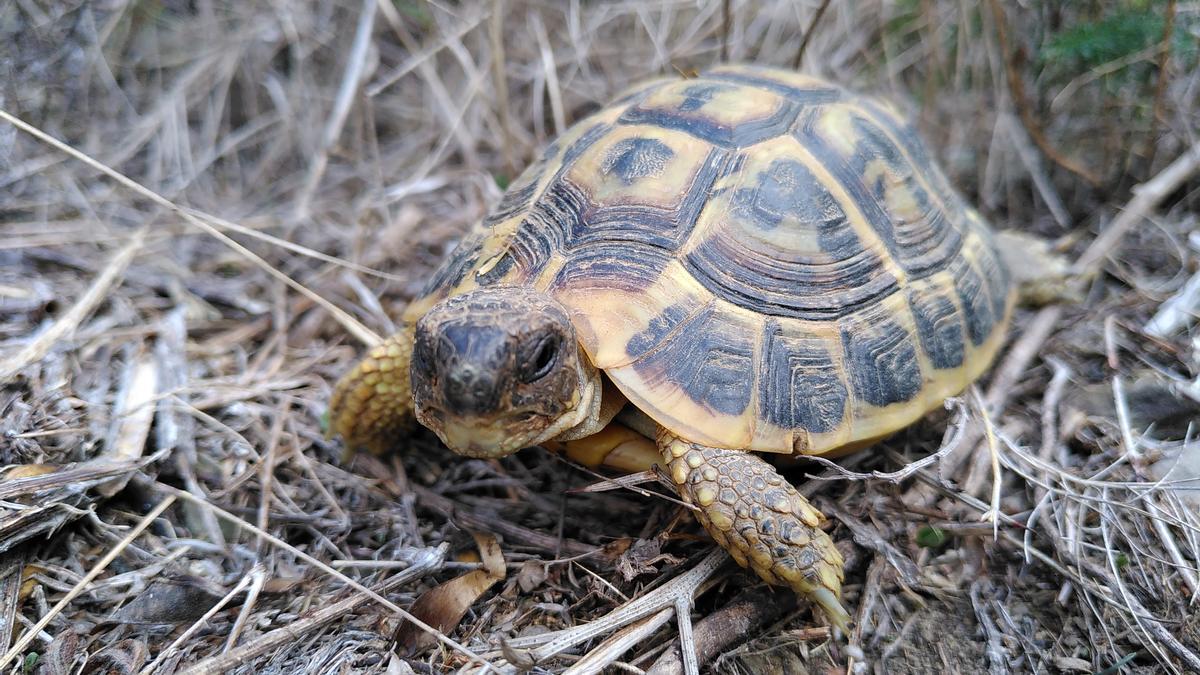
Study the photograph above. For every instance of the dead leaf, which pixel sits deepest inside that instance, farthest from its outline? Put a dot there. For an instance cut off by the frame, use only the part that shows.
(62, 655)
(531, 575)
(135, 412)
(124, 658)
(167, 602)
(444, 605)
(29, 471)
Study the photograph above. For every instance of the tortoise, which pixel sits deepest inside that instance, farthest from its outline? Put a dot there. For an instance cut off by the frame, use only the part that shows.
(748, 261)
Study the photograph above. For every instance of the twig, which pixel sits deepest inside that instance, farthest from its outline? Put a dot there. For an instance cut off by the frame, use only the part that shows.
(431, 559)
(950, 441)
(610, 650)
(1024, 107)
(1145, 198)
(364, 334)
(32, 632)
(373, 595)
(352, 79)
(500, 81)
(997, 659)
(664, 596)
(97, 291)
(808, 33)
(172, 648)
(1160, 88)
(258, 577)
(1179, 310)
(989, 434)
(743, 617)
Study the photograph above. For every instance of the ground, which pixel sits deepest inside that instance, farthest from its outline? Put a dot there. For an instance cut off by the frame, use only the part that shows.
(249, 192)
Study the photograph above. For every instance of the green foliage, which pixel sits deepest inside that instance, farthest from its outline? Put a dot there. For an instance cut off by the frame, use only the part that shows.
(1087, 45)
(502, 181)
(932, 537)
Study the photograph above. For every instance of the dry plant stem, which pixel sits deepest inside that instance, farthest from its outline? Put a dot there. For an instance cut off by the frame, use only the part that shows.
(1024, 107)
(1146, 198)
(258, 577)
(1041, 180)
(359, 331)
(989, 432)
(431, 560)
(622, 641)
(553, 91)
(742, 618)
(266, 477)
(12, 568)
(500, 81)
(954, 435)
(997, 659)
(1160, 89)
(70, 320)
(665, 596)
(808, 33)
(222, 224)
(1145, 619)
(202, 621)
(351, 80)
(1177, 312)
(238, 522)
(30, 633)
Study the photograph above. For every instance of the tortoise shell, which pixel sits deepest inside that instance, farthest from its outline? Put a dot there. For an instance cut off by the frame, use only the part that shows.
(757, 259)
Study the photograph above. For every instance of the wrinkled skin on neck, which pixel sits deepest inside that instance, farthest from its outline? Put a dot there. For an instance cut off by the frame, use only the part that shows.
(499, 369)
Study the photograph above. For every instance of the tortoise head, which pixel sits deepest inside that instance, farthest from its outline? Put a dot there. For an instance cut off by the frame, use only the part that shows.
(499, 369)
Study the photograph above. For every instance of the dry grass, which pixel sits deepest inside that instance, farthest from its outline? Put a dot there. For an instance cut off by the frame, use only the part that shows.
(168, 340)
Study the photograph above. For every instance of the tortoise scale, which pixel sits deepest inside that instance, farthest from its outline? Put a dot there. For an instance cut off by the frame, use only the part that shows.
(753, 260)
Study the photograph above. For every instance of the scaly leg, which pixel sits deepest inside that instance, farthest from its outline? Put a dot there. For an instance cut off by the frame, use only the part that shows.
(372, 404)
(760, 518)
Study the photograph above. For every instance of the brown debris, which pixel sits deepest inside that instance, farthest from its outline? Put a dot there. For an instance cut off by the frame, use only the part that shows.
(212, 207)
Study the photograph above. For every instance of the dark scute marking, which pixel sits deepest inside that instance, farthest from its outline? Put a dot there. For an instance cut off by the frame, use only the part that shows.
(938, 327)
(697, 95)
(692, 121)
(790, 190)
(815, 96)
(921, 246)
(925, 243)
(710, 358)
(515, 200)
(976, 305)
(648, 224)
(913, 145)
(454, 269)
(628, 266)
(799, 386)
(584, 142)
(659, 327)
(497, 271)
(836, 282)
(632, 159)
(881, 361)
(551, 151)
(546, 229)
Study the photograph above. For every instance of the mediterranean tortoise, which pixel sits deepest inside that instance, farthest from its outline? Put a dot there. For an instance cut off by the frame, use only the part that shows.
(754, 259)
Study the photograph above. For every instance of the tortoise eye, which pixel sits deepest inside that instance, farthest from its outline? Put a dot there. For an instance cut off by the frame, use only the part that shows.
(541, 359)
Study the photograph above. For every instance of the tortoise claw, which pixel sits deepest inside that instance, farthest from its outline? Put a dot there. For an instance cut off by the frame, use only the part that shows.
(760, 518)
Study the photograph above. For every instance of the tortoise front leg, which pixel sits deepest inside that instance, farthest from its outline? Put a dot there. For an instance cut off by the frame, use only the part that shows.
(372, 404)
(760, 519)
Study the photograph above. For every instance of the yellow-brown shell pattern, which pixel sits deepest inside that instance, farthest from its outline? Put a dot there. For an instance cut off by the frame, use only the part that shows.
(758, 259)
